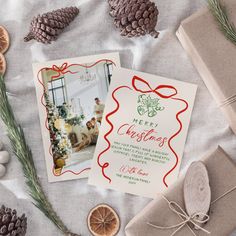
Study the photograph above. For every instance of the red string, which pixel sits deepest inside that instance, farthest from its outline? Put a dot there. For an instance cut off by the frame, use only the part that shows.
(106, 164)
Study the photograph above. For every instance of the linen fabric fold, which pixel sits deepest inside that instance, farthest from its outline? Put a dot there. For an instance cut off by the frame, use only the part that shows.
(222, 175)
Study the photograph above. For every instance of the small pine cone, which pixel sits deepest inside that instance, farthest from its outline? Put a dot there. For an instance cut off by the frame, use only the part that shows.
(45, 28)
(135, 18)
(10, 224)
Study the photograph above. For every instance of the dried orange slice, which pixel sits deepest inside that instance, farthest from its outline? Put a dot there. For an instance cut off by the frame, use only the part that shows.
(2, 64)
(4, 40)
(103, 221)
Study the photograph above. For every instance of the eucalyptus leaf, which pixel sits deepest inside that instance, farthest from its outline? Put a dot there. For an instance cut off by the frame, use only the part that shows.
(221, 16)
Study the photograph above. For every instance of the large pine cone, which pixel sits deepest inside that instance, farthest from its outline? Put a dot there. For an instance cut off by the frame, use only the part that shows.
(10, 224)
(134, 17)
(45, 28)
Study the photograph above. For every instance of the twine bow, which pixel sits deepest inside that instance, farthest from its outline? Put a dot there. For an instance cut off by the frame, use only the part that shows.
(176, 208)
(163, 91)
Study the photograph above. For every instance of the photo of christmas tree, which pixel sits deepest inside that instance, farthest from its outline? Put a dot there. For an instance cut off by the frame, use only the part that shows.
(75, 104)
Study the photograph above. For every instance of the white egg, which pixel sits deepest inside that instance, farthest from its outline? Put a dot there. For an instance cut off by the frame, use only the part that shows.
(4, 157)
(1, 145)
(3, 170)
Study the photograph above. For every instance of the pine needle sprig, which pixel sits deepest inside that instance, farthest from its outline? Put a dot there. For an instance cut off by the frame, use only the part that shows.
(220, 14)
(24, 155)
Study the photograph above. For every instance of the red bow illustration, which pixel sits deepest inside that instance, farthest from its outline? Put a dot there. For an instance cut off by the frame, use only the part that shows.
(62, 70)
(143, 86)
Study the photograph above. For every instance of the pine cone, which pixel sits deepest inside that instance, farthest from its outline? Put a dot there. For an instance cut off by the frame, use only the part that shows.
(45, 28)
(10, 224)
(135, 17)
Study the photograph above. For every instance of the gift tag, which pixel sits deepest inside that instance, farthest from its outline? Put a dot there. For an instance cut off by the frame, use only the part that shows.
(197, 192)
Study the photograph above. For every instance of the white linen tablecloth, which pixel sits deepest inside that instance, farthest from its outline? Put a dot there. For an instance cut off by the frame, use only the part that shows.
(93, 32)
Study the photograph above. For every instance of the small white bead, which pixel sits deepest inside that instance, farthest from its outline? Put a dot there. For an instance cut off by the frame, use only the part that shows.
(2, 170)
(4, 157)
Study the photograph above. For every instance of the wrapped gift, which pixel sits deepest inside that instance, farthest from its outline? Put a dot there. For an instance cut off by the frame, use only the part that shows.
(222, 176)
(214, 56)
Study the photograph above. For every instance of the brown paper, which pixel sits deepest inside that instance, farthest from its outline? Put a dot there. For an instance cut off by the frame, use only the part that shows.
(213, 55)
(222, 175)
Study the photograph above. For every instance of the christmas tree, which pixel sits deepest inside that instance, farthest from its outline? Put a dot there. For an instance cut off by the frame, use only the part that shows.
(61, 145)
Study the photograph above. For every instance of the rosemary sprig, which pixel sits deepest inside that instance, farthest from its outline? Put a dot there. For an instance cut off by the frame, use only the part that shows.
(220, 14)
(24, 155)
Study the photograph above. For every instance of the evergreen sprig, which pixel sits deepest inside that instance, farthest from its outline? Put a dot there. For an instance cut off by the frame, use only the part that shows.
(220, 14)
(24, 155)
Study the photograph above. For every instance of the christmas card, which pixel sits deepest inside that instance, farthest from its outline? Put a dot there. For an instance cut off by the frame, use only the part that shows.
(71, 95)
(143, 133)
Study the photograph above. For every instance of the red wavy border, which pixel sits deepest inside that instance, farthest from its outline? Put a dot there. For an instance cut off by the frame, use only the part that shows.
(64, 69)
(173, 136)
(106, 164)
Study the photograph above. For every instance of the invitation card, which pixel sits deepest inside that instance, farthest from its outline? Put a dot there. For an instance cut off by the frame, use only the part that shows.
(71, 95)
(143, 133)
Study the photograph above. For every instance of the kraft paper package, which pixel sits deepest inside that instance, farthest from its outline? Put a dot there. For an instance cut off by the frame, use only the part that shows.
(213, 56)
(222, 176)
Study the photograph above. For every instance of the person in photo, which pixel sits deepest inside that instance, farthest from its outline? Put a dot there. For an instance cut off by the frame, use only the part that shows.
(95, 124)
(99, 109)
(86, 141)
(92, 131)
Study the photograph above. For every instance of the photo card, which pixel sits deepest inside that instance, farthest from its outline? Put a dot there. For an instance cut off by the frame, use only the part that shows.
(71, 94)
